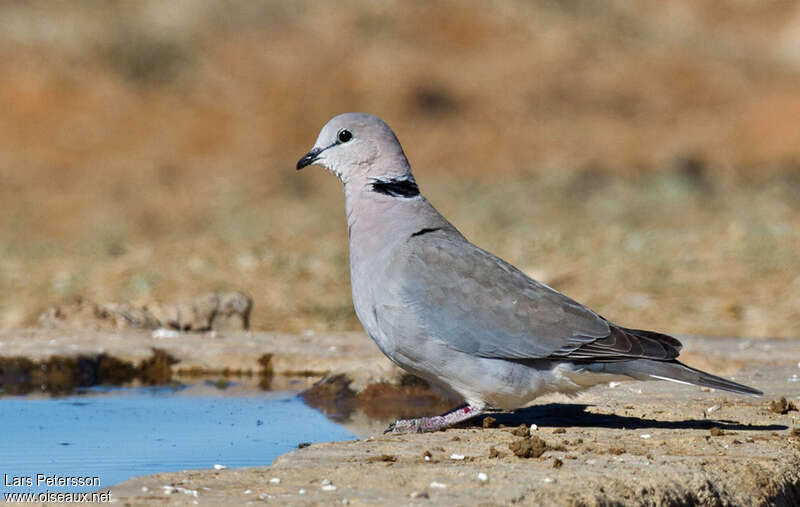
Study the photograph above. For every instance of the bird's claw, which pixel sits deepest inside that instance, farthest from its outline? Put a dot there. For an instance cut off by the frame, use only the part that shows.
(401, 426)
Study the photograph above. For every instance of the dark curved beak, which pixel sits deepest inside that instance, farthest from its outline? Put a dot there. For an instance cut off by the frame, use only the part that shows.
(309, 158)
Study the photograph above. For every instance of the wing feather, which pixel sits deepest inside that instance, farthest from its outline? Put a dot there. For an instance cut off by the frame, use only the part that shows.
(481, 305)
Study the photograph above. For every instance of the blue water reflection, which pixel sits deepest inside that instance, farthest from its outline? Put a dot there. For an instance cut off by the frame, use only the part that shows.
(115, 434)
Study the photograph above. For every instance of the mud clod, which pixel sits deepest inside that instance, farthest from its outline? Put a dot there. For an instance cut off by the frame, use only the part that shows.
(557, 463)
(521, 431)
(559, 430)
(715, 431)
(494, 453)
(796, 432)
(530, 447)
(303, 445)
(383, 458)
(616, 451)
(781, 406)
(489, 422)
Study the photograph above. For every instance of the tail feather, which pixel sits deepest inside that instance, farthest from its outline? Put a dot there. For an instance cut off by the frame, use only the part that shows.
(675, 371)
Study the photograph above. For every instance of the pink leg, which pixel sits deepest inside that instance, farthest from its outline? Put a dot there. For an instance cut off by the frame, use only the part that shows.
(435, 423)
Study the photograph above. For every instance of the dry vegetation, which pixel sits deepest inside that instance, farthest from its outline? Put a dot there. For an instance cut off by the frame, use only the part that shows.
(642, 157)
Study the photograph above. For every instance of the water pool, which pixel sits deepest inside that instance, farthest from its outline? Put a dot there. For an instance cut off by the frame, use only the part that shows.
(107, 435)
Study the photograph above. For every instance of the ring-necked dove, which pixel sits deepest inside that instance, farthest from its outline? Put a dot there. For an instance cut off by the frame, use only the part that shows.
(464, 320)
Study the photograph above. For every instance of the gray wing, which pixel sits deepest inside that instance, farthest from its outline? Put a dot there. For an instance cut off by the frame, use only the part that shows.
(481, 305)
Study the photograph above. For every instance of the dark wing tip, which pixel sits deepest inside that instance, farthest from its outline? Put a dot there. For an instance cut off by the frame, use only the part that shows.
(625, 344)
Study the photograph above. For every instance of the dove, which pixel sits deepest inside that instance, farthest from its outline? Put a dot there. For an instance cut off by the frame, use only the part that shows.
(459, 317)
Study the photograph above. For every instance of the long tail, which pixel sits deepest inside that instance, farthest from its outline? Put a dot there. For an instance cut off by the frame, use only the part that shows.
(675, 371)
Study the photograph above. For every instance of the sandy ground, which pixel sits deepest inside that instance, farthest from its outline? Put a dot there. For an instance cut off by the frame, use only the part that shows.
(657, 447)
(652, 443)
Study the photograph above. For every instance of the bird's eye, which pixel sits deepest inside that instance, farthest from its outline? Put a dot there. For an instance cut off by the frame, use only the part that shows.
(344, 135)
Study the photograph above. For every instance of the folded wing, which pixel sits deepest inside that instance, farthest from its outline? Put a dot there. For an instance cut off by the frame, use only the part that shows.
(480, 305)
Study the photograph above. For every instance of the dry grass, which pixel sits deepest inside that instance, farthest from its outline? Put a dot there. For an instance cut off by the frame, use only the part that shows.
(644, 159)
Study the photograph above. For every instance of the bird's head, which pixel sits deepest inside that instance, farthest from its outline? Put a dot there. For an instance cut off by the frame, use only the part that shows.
(358, 146)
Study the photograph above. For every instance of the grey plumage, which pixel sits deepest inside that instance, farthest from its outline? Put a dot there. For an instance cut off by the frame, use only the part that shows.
(456, 315)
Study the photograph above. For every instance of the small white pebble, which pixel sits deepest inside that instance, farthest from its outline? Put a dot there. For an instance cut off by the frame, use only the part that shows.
(264, 496)
(456, 456)
(345, 501)
(482, 477)
(591, 461)
(712, 409)
(793, 378)
(613, 385)
(427, 458)
(275, 480)
(219, 467)
(161, 333)
(745, 345)
(325, 482)
(534, 427)
(329, 487)
(634, 390)
(438, 485)
(145, 489)
(548, 480)
(798, 362)
(645, 435)
(301, 492)
(248, 491)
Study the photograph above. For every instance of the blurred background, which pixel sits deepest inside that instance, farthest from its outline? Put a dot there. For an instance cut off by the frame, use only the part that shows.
(642, 157)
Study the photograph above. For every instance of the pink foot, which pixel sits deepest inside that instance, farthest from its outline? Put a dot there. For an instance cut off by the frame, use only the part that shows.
(435, 423)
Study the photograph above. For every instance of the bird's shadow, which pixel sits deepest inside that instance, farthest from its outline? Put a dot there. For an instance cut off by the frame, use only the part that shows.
(557, 415)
